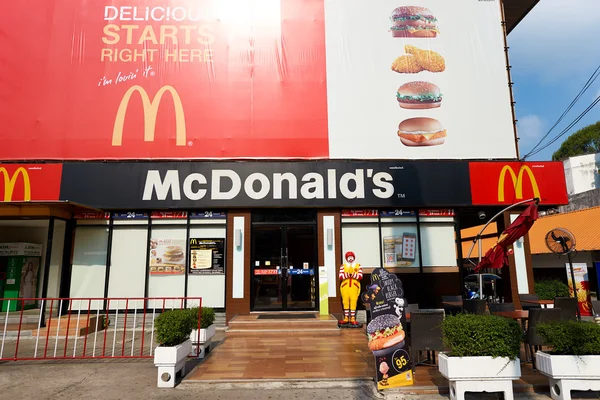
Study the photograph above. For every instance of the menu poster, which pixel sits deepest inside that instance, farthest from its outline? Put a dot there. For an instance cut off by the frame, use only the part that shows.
(399, 251)
(583, 287)
(386, 332)
(207, 256)
(167, 256)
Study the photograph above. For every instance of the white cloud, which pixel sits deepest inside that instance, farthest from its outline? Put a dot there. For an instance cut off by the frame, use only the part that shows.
(531, 128)
(557, 39)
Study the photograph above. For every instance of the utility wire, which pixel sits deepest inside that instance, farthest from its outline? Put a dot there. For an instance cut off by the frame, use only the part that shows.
(587, 85)
(564, 131)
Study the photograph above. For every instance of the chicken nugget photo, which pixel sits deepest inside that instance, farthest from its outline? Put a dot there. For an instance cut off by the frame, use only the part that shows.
(427, 59)
(406, 64)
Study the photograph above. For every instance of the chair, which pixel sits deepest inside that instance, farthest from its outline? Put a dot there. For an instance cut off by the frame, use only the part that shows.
(499, 307)
(475, 306)
(568, 306)
(529, 306)
(425, 333)
(596, 306)
(539, 316)
(452, 310)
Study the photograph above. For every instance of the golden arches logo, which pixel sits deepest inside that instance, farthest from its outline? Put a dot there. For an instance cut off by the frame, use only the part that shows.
(11, 181)
(517, 181)
(150, 113)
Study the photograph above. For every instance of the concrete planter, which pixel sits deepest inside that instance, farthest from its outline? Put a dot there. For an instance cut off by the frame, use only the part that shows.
(479, 374)
(566, 373)
(201, 342)
(169, 361)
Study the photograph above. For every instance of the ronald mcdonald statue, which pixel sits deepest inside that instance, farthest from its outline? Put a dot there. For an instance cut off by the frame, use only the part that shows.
(350, 277)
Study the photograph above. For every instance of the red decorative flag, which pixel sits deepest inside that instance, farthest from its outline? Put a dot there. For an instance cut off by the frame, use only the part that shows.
(497, 256)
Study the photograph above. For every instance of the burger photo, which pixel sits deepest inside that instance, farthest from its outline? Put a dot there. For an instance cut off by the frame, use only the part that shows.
(419, 95)
(173, 254)
(385, 332)
(413, 21)
(421, 131)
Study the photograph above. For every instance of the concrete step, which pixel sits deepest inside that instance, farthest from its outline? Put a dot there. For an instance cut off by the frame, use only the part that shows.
(287, 324)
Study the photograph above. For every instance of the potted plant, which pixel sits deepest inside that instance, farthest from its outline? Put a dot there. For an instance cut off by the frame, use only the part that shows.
(573, 363)
(550, 288)
(483, 354)
(201, 339)
(173, 329)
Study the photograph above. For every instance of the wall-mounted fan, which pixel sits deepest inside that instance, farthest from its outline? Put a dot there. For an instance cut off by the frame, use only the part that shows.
(561, 241)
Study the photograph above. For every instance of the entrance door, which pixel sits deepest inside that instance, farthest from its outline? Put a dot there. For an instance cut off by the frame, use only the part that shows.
(284, 267)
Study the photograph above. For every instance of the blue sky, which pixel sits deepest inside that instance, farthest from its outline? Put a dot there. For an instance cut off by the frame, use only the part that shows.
(553, 52)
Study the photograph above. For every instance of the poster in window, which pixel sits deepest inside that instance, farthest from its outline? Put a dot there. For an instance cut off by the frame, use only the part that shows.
(399, 250)
(167, 256)
(207, 256)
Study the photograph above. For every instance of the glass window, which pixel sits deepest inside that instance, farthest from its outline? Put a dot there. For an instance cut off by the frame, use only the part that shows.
(438, 245)
(127, 276)
(167, 263)
(209, 286)
(89, 265)
(400, 245)
(363, 241)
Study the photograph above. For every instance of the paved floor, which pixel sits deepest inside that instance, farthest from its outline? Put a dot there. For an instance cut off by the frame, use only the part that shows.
(132, 380)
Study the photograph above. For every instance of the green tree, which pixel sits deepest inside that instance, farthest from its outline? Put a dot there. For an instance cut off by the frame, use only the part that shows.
(584, 141)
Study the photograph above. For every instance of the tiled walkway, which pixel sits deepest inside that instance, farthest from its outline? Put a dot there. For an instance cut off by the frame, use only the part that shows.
(312, 357)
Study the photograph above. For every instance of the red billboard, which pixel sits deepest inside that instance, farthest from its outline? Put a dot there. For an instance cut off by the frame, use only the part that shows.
(252, 79)
(511, 182)
(30, 182)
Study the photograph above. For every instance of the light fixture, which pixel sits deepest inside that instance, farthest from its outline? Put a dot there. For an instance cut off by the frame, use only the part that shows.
(329, 237)
(238, 238)
(481, 215)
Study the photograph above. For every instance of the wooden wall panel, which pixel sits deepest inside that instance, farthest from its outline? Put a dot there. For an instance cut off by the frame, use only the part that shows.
(233, 306)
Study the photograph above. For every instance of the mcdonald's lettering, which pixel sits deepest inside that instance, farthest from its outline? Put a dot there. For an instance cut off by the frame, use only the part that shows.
(11, 181)
(517, 181)
(150, 108)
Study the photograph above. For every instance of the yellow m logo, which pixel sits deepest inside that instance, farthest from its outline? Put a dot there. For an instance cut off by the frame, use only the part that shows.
(10, 182)
(193, 241)
(517, 181)
(150, 112)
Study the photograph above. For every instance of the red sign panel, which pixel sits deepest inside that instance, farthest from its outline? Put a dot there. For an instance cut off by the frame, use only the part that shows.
(266, 272)
(360, 213)
(92, 215)
(437, 213)
(168, 215)
(507, 183)
(115, 79)
(25, 182)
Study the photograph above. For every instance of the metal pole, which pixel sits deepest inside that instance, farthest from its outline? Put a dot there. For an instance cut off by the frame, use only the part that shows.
(480, 249)
(574, 285)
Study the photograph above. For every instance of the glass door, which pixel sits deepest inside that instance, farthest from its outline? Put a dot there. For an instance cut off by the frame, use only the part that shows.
(284, 267)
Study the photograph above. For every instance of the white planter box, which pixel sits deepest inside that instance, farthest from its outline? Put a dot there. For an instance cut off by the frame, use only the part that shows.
(479, 374)
(205, 334)
(566, 373)
(169, 361)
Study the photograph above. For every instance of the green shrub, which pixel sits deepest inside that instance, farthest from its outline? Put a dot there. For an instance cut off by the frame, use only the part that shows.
(470, 335)
(571, 337)
(207, 319)
(551, 288)
(173, 327)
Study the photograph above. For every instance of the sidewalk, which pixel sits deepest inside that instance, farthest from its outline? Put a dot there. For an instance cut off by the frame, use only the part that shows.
(133, 380)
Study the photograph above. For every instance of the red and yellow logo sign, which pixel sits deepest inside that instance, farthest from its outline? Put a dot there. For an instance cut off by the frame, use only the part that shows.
(150, 113)
(30, 182)
(517, 182)
(11, 180)
(507, 183)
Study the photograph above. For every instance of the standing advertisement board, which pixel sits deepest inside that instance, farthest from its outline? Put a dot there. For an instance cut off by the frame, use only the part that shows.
(387, 330)
(307, 79)
(582, 283)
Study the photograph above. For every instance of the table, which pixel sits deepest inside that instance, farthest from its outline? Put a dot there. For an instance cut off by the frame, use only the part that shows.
(453, 303)
(543, 303)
